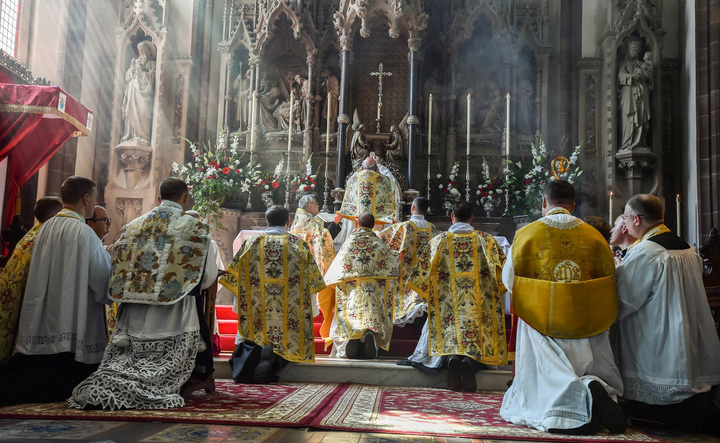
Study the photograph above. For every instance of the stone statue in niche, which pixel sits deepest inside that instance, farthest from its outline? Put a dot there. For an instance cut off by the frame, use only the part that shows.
(493, 116)
(282, 115)
(525, 101)
(265, 83)
(269, 103)
(359, 146)
(331, 86)
(394, 148)
(137, 106)
(242, 98)
(432, 86)
(635, 78)
(301, 87)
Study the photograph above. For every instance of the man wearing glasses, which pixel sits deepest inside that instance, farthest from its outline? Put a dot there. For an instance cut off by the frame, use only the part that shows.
(100, 222)
(666, 347)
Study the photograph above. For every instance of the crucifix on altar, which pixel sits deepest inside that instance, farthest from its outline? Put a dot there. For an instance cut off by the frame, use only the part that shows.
(380, 74)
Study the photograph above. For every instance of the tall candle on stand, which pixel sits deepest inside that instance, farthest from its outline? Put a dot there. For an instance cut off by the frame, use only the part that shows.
(430, 127)
(677, 210)
(467, 149)
(507, 129)
(292, 102)
(327, 137)
(612, 222)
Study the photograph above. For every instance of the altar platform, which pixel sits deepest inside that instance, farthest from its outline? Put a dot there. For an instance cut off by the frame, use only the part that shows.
(381, 372)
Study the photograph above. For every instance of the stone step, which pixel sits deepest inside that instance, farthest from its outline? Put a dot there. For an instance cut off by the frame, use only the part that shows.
(383, 372)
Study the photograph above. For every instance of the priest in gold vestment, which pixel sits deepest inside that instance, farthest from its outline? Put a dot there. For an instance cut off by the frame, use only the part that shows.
(365, 277)
(458, 274)
(409, 239)
(560, 272)
(369, 191)
(14, 275)
(273, 276)
(311, 229)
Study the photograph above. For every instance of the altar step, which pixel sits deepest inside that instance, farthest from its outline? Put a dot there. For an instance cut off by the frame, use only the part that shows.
(382, 372)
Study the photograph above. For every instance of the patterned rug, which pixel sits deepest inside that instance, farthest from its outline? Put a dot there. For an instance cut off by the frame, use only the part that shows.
(286, 404)
(427, 411)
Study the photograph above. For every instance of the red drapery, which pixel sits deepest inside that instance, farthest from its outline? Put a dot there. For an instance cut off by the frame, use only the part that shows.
(33, 126)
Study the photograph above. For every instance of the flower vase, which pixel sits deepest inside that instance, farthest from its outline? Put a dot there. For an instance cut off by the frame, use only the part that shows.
(447, 206)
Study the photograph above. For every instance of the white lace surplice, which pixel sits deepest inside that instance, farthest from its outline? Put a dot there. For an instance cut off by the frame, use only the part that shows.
(666, 345)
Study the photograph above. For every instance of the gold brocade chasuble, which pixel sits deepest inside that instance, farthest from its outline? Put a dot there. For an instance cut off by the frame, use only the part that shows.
(365, 276)
(273, 277)
(159, 257)
(460, 275)
(409, 241)
(368, 191)
(564, 283)
(12, 289)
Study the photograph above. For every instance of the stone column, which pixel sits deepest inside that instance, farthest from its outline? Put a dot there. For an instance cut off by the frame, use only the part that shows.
(343, 118)
(413, 120)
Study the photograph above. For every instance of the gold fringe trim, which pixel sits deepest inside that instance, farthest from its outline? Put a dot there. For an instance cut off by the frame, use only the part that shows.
(81, 132)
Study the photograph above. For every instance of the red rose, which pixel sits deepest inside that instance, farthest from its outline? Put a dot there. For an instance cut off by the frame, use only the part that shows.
(226, 170)
(202, 169)
(308, 177)
(227, 158)
(306, 188)
(294, 189)
(275, 184)
(453, 183)
(484, 194)
(445, 191)
(213, 163)
(490, 187)
(264, 182)
(528, 181)
(237, 170)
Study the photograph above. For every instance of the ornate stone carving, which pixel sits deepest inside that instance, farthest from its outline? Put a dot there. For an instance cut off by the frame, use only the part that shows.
(133, 159)
(414, 44)
(590, 119)
(637, 12)
(128, 209)
(636, 164)
(178, 109)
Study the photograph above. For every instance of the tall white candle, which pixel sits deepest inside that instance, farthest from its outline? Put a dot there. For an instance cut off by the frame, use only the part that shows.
(612, 222)
(507, 128)
(292, 103)
(327, 137)
(252, 124)
(430, 126)
(679, 216)
(467, 149)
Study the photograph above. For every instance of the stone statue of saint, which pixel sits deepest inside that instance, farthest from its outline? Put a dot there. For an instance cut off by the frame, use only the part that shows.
(394, 148)
(494, 113)
(635, 78)
(525, 106)
(359, 147)
(301, 86)
(432, 86)
(269, 102)
(331, 85)
(242, 98)
(137, 106)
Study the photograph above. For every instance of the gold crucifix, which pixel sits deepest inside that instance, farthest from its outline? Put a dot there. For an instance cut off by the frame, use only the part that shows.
(380, 74)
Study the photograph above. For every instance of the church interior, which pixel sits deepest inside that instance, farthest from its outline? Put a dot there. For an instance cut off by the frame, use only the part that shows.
(256, 103)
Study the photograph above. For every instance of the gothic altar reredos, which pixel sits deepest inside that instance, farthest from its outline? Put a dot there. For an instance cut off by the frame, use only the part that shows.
(326, 52)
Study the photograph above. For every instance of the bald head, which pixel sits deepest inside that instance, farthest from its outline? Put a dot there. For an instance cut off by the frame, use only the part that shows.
(194, 214)
(369, 164)
(366, 220)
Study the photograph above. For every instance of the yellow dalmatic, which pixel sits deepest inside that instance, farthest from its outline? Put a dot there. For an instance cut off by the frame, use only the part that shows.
(12, 289)
(368, 191)
(460, 275)
(409, 241)
(273, 277)
(365, 276)
(564, 284)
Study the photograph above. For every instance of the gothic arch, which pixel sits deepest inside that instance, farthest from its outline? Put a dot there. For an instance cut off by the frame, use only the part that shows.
(268, 26)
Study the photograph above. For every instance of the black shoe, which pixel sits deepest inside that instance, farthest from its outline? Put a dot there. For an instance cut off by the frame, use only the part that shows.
(263, 371)
(469, 384)
(454, 379)
(353, 349)
(404, 362)
(608, 412)
(371, 350)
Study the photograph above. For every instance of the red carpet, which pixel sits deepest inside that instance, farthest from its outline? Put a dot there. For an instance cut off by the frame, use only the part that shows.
(287, 404)
(426, 411)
